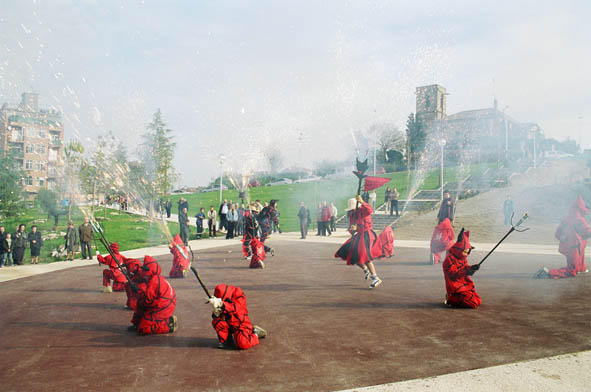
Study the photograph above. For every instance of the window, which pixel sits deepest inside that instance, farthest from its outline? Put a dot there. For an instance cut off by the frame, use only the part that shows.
(39, 166)
(41, 149)
(30, 148)
(41, 182)
(29, 181)
(42, 134)
(28, 164)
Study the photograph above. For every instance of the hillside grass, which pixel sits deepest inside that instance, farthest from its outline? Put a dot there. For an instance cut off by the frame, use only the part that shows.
(311, 193)
(129, 230)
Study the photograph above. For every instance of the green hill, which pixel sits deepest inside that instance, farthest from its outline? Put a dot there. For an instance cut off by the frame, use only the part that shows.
(311, 193)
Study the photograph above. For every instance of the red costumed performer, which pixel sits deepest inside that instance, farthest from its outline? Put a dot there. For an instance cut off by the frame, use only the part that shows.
(133, 267)
(258, 253)
(156, 302)
(572, 233)
(441, 240)
(364, 245)
(458, 284)
(230, 319)
(180, 258)
(113, 273)
(250, 229)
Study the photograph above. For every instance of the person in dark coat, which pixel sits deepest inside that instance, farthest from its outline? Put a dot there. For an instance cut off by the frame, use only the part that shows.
(72, 241)
(199, 218)
(168, 207)
(86, 237)
(447, 208)
(19, 244)
(304, 216)
(35, 243)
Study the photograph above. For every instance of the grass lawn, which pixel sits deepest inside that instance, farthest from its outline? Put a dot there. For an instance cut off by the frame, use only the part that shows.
(311, 193)
(130, 231)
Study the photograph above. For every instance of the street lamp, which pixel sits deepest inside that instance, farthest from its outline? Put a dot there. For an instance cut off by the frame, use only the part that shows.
(222, 158)
(442, 143)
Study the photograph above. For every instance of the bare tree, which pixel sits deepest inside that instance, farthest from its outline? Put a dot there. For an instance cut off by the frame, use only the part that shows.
(389, 137)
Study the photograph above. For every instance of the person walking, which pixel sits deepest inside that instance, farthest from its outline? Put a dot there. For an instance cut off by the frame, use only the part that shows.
(72, 241)
(19, 244)
(319, 218)
(304, 216)
(35, 244)
(86, 236)
(211, 222)
(446, 210)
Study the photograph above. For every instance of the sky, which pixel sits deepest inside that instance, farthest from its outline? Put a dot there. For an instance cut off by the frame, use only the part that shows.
(243, 78)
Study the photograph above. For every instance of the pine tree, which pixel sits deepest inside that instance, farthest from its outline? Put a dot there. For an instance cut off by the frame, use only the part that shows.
(156, 153)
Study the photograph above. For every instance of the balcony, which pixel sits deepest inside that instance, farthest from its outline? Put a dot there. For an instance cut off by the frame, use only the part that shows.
(55, 143)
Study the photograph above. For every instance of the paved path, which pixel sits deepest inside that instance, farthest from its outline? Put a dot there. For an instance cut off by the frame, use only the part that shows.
(570, 372)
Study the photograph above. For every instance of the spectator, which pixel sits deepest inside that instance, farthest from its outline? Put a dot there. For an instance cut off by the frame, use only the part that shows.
(35, 243)
(326, 215)
(508, 210)
(275, 227)
(6, 245)
(211, 221)
(388, 196)
(2, 248)
(222, 213)
(232, 218)
(86, 237)
(186, 231)
(394, 202)
(19, 244)
(446, 210)
(199, 218)
(372, 198)
(304, 215)
(319, 218)
(333, 217)
(72, 241)
(168, 207)
(183, 219)
(239, 229)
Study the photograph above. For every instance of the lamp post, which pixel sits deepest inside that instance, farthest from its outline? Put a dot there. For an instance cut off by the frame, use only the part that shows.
(222, 158)
(506, 132)
(442, 143)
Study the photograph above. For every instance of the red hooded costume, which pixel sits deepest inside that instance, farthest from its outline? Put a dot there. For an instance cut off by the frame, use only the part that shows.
(156, 301)
(458, 284)
(365, 244)
(113, 273)
(180, 258)
(573, 233)
(133, 267)
(233, 323)
(442, 239)
(258, 253)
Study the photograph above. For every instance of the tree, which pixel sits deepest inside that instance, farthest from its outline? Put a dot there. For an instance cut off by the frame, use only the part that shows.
(74, 152)
(274, 159)
(388, 138)
(11, 187)
(48, 201)
(416, 137)
(157, 152)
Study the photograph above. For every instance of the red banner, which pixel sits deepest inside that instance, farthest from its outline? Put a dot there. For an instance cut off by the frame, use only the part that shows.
(374, 183)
